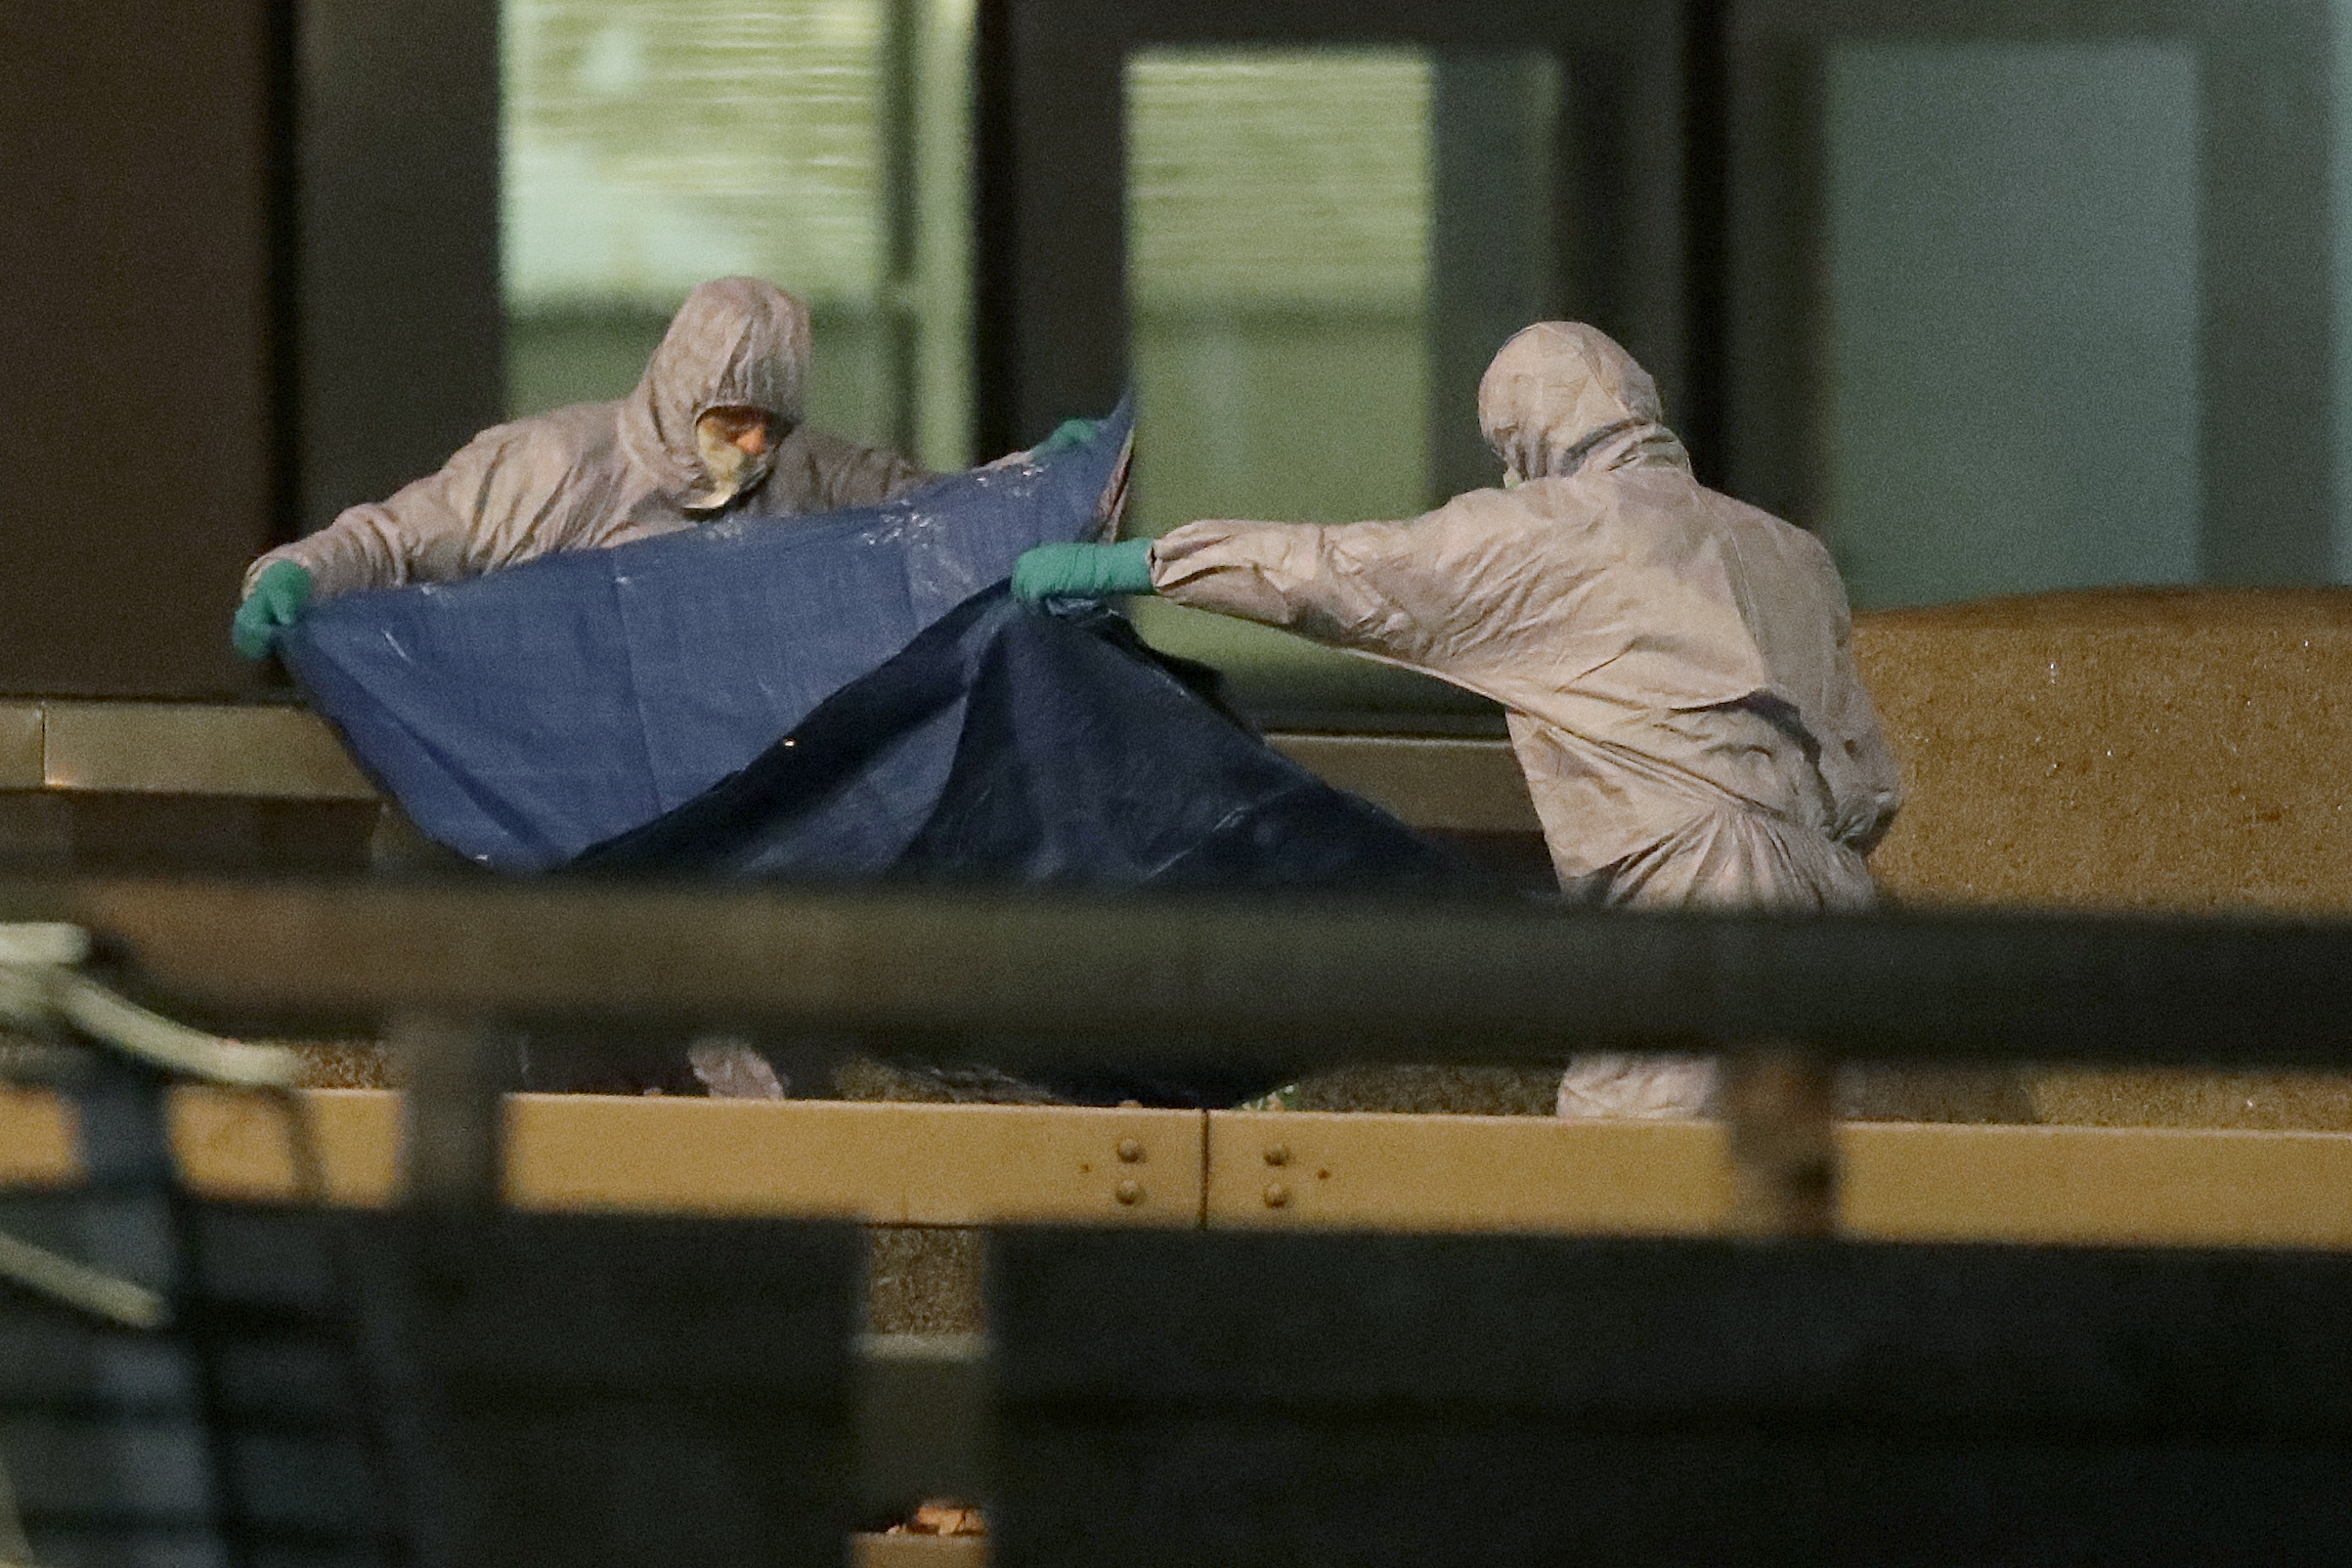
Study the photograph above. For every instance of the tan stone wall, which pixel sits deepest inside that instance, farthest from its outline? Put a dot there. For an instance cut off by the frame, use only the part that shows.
(2146, 749)
(2136, 749)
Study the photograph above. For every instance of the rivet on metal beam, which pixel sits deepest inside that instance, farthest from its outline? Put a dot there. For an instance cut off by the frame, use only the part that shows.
(1277, 1154)
(1277, 1195)
(1131, 1152)
(1128, 1192)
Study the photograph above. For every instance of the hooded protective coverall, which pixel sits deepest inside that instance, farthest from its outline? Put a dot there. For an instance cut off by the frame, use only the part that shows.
(595, 474)
(1676, 665)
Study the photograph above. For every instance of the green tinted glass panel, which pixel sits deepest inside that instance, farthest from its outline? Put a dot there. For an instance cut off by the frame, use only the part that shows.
(652, 143)
(2013, 290)
(1279, 213)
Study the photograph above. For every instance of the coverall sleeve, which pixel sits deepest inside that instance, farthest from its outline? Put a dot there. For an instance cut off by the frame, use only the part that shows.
(445, 526)
(850, 475)
(1323, 582)
(1424, 593)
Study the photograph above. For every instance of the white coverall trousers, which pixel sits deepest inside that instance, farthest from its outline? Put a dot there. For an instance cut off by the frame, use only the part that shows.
(1732, 855)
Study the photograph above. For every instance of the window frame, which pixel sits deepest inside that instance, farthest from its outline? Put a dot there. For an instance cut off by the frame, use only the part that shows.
(2266, 447)
(1053, 321)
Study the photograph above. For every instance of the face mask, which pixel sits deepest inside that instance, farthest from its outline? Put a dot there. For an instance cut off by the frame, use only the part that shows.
(729, 469)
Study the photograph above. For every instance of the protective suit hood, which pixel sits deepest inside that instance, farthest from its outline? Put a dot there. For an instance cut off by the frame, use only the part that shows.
(594, 474)
(1562, 396)
(735, 342)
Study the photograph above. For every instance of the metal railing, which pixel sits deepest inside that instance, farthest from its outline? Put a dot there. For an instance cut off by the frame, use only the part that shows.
(1037, 980)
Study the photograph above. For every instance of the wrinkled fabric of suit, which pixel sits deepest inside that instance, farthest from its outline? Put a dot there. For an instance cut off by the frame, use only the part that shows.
(1676, 664)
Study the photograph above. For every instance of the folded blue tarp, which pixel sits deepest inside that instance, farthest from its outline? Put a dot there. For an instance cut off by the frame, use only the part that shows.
(521, 717)
(1012, 745)
(1008, 743)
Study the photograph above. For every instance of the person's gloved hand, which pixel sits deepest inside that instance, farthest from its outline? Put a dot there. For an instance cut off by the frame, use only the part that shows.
(1083, 570)
(1069, 433)
(280, 595)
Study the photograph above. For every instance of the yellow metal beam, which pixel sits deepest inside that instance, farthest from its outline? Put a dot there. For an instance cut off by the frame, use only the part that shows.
(1350, 1171)
(886, 1164)
(20, 746)
(917, 1551)
(2091, 1185)
(282, 751)
(2099, 1186)
(976, 1166)
(257, 752)
(36, 1140)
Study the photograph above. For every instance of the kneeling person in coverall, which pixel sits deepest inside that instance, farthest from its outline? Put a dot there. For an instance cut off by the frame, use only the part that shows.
(1682, 695)
(714, 427)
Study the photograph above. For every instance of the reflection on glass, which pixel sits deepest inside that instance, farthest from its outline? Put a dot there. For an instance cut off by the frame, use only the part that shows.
(1279, 215)
(2013, 317)
(652, 143)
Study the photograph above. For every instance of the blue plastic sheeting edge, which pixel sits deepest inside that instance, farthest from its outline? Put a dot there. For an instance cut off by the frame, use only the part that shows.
(1014, 744)
(521, 717)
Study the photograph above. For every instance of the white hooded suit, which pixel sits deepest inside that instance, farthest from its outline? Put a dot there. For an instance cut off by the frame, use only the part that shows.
(1682, 695)
(597, 474)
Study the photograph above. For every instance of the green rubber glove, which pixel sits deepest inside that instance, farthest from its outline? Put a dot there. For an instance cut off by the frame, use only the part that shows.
(1069, 433)
(280, 595)
(1083, 570)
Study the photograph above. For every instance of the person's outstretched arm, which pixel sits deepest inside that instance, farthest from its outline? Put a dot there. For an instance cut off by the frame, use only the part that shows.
(1334, 584)
(375, 545)
(424, 533)
(840, 473)
(492, 504)
(1431, 591)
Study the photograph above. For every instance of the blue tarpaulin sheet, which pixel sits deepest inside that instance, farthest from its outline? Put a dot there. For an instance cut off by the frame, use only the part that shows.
(522, 716)
(1014, 744)
(1010, 744)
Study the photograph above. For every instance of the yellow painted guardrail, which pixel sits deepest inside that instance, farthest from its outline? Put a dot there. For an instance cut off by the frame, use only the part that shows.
(970, 1166)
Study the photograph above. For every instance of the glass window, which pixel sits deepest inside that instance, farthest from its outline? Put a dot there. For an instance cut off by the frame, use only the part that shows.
(652, 143)
(1279, 250)
(2013, 401)
(1278, 216)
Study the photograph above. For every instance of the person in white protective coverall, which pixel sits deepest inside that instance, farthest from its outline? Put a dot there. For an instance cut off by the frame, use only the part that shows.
(1682, 695)
(714, 426)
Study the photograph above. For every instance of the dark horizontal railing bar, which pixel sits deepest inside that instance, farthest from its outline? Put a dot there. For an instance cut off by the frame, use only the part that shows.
(157, 1530)
(1035, 977)
(1242, 23)
(1633, 1330)
(1454, 1402)
(159, 1527)
(99, 1410)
